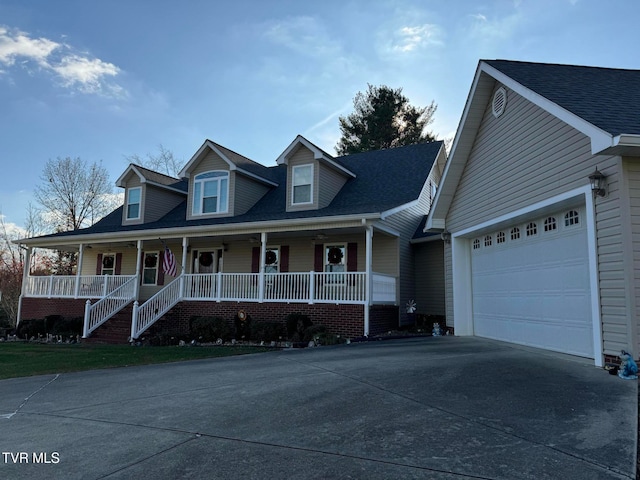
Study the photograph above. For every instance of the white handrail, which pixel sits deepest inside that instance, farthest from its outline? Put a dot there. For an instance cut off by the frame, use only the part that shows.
(64, 286)
(105, 308)
(154, 308)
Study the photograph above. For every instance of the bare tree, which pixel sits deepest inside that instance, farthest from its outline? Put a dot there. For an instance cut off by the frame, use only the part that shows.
(74, 194)
(11, 262)
(163, 162)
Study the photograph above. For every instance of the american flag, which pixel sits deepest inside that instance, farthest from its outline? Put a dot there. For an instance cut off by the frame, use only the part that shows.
(169, 262)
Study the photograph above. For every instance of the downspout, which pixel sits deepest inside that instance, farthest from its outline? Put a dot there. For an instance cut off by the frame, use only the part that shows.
(25, 277)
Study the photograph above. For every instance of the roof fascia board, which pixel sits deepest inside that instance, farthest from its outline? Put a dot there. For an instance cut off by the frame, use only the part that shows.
(202, 230)
(317, 155)
(399, 208)
(130, 168)
(166, 187)
(256, 177)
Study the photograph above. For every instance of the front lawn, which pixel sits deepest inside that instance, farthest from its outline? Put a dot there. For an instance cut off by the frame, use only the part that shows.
(26, 359)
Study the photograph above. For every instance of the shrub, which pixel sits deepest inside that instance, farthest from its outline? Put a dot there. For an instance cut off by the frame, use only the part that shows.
(67, 327)
(267, 331)
(31, 328)
(50, 322)
(297, 323)
(312, 332)
(243, 328)
(209, 329)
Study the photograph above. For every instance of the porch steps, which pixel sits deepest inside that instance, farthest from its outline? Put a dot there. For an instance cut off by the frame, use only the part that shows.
(116, 330)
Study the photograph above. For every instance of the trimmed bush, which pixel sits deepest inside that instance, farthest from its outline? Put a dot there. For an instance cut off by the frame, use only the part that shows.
(243, 328)
(267, 331)
(313, 331)
(31, 328)
(209, 329)
(297, 323)
(67, 327)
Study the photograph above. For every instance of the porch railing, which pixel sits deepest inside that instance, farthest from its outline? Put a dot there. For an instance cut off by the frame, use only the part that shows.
(74, 286)
(154, 308)
(105, 308)
(383, 288)
(311, 287)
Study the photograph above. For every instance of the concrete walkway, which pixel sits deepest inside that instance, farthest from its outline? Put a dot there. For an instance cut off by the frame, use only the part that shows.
(437, 408)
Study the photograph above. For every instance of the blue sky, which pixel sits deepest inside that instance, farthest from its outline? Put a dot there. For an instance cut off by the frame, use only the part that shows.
(103, 80)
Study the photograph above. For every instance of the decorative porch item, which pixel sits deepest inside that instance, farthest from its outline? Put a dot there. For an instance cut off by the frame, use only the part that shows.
(411, 306)
(150, 261)
(242, 315)
(437, 331)
(205, 259)
(628, 368)
(335, 255)
(271, 257)
(107, 261)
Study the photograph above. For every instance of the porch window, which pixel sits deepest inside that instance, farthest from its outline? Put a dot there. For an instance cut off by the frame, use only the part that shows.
(211, 193)
(133, 203)
(150, 269)
(302, 191)
(272, 260)
(108, 264)
(335, 261)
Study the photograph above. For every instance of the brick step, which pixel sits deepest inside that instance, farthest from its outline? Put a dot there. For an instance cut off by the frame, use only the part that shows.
(116, 330)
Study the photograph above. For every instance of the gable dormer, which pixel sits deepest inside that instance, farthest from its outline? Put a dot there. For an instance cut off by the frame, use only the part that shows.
(223, 183)
(314, 177)
(148, 195)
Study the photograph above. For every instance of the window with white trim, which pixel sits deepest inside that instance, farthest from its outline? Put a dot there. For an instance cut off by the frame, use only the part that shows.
(487, 241)
(302, 184)
(501, 237)
(571, 218)
(150, 268)
(108, 263)
(532, 229)
(476, 243)
(133, 203)
(211, 193)
(550, 224)
(272, 260)
(515, 233)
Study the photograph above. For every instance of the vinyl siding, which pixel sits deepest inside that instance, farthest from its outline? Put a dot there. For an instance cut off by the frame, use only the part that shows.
(159, 202)
(526, 156)
(385, 254)
(632, 173)
(329, 184)
(246, 193)
(430, 292)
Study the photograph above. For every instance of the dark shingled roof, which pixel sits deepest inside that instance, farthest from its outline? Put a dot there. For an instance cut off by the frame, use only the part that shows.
(385, 179)
(608, 98)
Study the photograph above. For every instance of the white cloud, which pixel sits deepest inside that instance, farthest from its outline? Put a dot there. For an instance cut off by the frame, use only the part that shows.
(411, 38)
(304, 34)
(74, 71)
(484, 28)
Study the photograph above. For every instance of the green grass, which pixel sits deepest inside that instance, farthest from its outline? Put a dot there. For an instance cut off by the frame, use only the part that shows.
(26, 359)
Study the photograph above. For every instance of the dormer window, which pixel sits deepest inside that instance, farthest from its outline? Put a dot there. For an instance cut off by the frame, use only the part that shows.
(133, 203)
(302, 191)
(211, 193)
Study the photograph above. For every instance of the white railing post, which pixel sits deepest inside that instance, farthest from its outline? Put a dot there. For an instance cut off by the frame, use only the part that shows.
(50, 291)
(134, 320)
(219, 287)
(104, 286)
(312, 287)
(87, 318)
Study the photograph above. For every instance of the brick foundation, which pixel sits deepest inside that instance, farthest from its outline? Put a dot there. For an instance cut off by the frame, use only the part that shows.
(345, 320)
(383, 318)
(34, 308)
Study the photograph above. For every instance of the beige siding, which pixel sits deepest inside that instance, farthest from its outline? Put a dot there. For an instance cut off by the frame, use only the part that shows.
(430, 294)
(526, 156)
(247, 192)
(158, 202)
(385, 254)
(302, 156)
(329, 184)
(211, 162)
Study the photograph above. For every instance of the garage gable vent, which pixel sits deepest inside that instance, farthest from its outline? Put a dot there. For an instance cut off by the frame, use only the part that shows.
(499, 102)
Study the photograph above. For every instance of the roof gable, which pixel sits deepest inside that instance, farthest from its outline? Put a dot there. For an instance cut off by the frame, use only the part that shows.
(318, 154)
(586, 107)
(151, 177)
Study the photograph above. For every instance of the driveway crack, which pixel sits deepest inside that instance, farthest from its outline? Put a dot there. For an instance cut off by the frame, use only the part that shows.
(9, 415)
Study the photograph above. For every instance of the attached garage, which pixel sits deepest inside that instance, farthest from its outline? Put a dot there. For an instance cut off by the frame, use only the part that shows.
(530, 283)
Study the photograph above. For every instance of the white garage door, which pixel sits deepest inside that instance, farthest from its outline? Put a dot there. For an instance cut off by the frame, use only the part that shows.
(531, 284)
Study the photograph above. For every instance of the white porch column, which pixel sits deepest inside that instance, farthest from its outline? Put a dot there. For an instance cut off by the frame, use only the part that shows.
(25, 278)
(368, 294)
(263, 259)
(183, 267)
(79, 269)
(136, 291)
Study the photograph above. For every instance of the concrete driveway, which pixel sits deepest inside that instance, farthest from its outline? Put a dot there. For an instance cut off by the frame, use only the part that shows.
(437, 408)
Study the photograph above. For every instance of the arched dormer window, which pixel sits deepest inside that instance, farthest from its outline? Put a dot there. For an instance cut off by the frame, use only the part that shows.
(211, 193)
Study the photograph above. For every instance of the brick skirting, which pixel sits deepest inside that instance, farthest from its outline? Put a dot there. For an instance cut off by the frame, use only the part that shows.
(35, 308)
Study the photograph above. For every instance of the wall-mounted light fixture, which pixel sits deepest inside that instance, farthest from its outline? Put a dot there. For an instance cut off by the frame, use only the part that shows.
(598, 183)
(446, 237)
